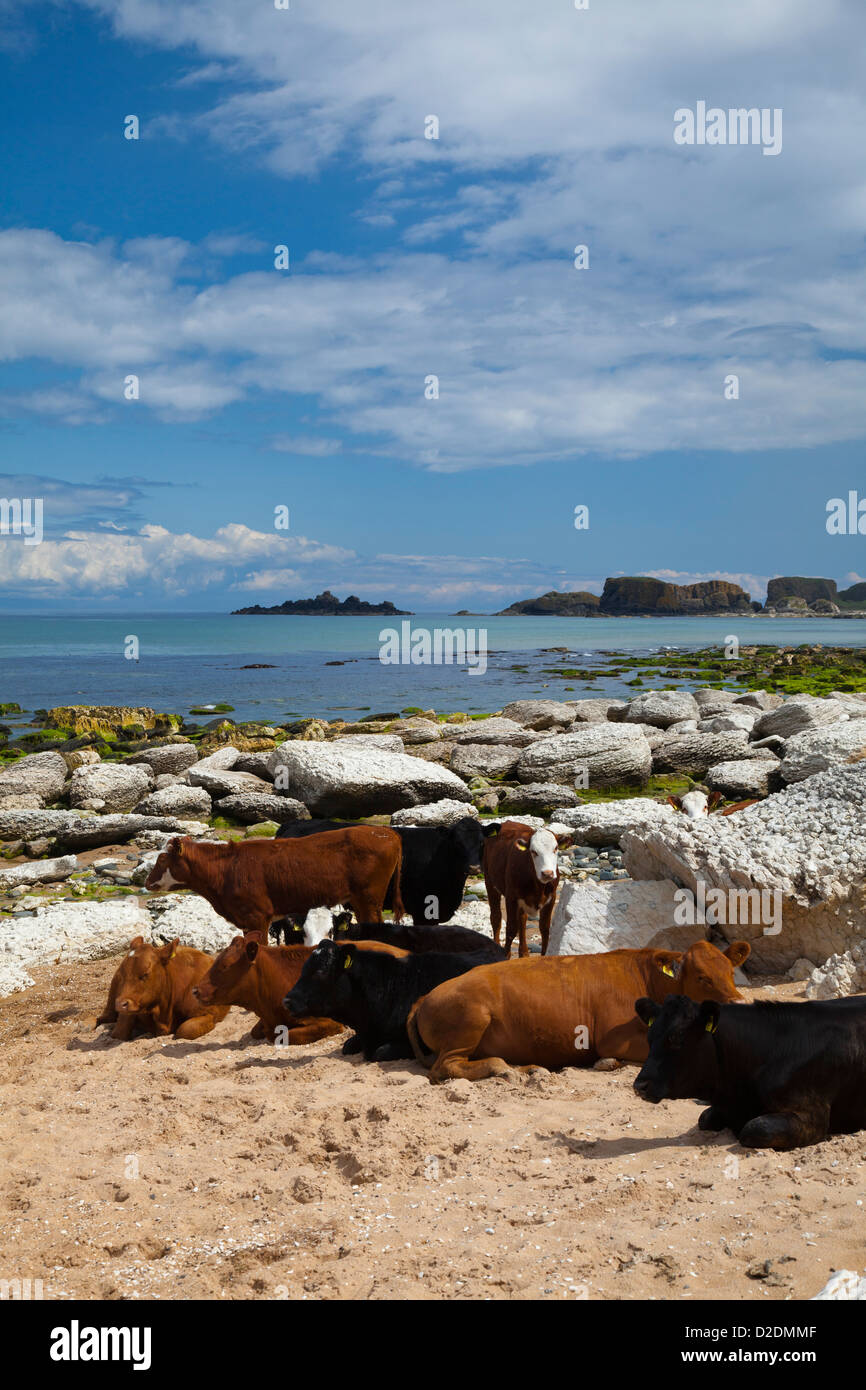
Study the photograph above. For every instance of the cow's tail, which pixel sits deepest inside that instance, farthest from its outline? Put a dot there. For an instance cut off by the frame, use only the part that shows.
(397, 907)
(421, 1053)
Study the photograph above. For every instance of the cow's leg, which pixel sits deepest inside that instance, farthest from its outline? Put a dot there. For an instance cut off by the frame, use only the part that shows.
(786, 1129)
(714, 1119)
(544, 917)
(366, 907)
(312, 1030)
(258, 1030)
(123, 1028)
(454, 1047)
(454, 1065)
(391, 1051)
(494, 902)
(515, 925)
(196, 1027)
(353, 1044)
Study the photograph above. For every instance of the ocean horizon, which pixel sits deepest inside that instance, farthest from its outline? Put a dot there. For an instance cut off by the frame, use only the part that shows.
(192, 659)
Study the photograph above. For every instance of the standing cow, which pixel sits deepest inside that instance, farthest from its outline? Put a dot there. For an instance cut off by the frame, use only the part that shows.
(520, 869)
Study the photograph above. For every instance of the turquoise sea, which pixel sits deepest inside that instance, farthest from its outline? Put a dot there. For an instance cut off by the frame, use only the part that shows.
(197, 658)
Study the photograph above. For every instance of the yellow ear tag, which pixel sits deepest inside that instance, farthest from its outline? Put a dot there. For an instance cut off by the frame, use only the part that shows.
(668, 970)
(347, 962)
(649, 1023)
(710, 1025)
(520, 845)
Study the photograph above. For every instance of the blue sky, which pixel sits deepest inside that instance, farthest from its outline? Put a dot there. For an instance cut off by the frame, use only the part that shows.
(411, 257)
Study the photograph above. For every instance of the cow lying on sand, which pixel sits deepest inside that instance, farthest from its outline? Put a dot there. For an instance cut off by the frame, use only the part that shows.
(559, 1011)
(256, 977)
(779, 1075)
(153, 991)
(254, 883)
(372, 992)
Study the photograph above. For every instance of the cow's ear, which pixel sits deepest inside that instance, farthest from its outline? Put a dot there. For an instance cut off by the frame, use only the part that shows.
(169, 949)
(252, 949)
(490, 830)
(708, 1016)
(647, 1010)
(564, 837)
(349, 953)
(136, 942)
(676, 802)
(668, 962)
(737, 952)
(713, 800)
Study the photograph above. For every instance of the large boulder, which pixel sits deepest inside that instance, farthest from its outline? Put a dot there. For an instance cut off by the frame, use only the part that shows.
(220, 760)
(759, 700)
(38, 871)
(176, 800)
(166, 757)
(191, 919)
(610, 755)
(731, 719)
(253, 807)
(256, 763)
(416, 729)
(597, 710)
(67, 931)
(804, 844)
(661, 708)
(840, 975)
(706, 696)
(483, 760)
(692, 754)
(817, 749)
(798, 714)
(742, 778)
(117, 786)
(540, 714)
(438, 813)
(605, 822)
(38, 774)
(538, 798)
(111, 719)
(343, 779)
(506, 733)
(391, 743)
(219, 782)
(592, 916)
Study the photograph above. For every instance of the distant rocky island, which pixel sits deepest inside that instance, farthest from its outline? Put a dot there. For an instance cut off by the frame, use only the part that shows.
(326, 604)
(636, 596)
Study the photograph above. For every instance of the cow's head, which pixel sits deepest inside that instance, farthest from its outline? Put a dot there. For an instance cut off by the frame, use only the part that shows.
(141, 976)
(318, 924)
(681, 1059)
(696, 804)
(467, 836)
(701, 972)
(227, 971)
(542, 846)
(324, 981)
(172, 868)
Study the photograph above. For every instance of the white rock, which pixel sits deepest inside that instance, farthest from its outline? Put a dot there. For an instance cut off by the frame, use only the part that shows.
(192, 920)
(342, 779)
(722, 723)
(37, 774)
(38, 871)
(817, 749)
(167, 757)
(70, 931)
(254, 807)
(119, 785)
(505, 733)
(741, 779)
(176, 800)
(445, 812)
(840, 975)
(597, 710)
(483, 760)
(799, 713)
(540, 714)
(610, 754)
(592, 916)
(605, 822)
(844, 1284)
(692, 754)
(390, 743)
(661, 708)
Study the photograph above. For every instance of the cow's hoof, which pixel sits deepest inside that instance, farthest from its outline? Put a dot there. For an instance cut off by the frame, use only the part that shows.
(607, 1064)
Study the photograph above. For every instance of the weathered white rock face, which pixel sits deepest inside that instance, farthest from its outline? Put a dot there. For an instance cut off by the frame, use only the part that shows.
(758, 699)
(119, 786)
(21, 801)
(80, 757)
(391, 743)
(36, 824)
(596, 711)
(37, 774)
(612, 754)
(253, 807)
(219, 782)
(844, 1284)
(191, 919)
(220, 760)
(38, 871)
(591, 917)
(707, 697)
(176, 800)
(806, 842)
(840, 975)
(731, 719)
(416, 730)
(256, 763)
(817, 749)
(798, 713)
(476, 916)
(537, 798)
(438, 813)
(70, 931)
(605, 822)
(540, 714)
(341, 779)
(741, 779)
(167, 757)
(692, 754)
(483, 760)
(661, 708)
(506, 733)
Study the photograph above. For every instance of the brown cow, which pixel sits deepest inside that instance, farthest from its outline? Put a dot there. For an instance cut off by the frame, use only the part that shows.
(153, 990)
(258, 881)
(257, 977)
(559, 1011)
(520, 868)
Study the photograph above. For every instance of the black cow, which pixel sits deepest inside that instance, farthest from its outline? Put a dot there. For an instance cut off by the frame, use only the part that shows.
(413, 938)
(779, 1075)
(372, 993)
(436, 863)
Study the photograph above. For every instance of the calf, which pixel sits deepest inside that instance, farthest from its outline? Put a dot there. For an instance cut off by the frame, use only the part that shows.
(253, 883)
(309, 931)
(436, 862)
(697, 804)
(559, 1011)
(520, 868)
(153, 991)
(779, 1075)
(371, 992)
(257, 977)
(413, 938)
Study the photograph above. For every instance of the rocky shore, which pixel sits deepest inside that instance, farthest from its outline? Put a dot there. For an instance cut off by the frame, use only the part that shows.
(82, 821)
